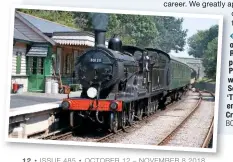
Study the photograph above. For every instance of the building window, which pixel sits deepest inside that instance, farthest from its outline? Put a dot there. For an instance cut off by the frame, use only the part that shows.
(35, 65)
(18, 62)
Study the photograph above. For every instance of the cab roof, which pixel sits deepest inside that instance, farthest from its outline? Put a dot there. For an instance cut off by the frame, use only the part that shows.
(158, 51)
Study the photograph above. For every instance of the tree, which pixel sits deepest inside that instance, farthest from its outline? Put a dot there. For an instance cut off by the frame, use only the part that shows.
(164, 33)
(198, 42)
(210, 58)
(138, 30)
(171, 35)
(61, 17)
(204, 44)
(82, 20)
(133, 29)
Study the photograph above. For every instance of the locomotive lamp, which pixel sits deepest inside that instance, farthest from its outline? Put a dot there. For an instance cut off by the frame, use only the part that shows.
(92, 92)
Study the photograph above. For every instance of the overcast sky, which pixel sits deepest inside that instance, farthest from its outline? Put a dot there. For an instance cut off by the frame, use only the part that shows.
(193, 25)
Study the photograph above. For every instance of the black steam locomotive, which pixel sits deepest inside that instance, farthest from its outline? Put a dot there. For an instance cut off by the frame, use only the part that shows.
(123, 83)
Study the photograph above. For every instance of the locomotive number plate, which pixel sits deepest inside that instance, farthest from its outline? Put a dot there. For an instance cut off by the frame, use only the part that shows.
(95, 60)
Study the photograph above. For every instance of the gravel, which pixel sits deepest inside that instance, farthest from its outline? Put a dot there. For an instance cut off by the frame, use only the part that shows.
(194, 131)
(154, 131)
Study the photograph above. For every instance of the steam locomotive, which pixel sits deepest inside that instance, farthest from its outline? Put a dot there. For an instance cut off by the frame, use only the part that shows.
(121, 84)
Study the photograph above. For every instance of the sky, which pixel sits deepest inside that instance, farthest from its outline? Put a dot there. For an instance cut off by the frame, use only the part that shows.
(193, 25)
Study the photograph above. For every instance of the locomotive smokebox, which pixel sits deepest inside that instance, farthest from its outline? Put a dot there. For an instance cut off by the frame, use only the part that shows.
(100, 23)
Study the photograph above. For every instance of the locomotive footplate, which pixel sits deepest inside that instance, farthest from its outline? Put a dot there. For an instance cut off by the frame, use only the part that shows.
(91, 104)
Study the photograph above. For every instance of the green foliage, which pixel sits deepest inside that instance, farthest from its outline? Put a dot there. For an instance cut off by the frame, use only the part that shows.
(82, 20)
(171, 35)
(75, 87)
(204, 45)
(164, 33)
(198, 42)
(61, 17)
(206, 80)
(210, 59)
(134, 29)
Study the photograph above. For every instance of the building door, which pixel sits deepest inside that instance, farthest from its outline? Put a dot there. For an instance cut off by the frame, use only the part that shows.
(36, 78)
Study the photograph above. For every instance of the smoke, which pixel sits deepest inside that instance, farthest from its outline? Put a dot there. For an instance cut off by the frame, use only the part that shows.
(99, 21)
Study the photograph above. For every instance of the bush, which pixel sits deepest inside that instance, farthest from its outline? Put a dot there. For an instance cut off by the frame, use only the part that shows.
(75, 87)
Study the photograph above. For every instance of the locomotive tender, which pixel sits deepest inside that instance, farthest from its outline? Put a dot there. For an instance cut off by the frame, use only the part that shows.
(123, 83)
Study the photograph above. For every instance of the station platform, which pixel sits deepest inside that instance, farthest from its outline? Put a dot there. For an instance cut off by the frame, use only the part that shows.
(29, 99)
(34, 102)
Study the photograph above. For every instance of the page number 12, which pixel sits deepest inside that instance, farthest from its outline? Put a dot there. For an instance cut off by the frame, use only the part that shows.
(27, 160)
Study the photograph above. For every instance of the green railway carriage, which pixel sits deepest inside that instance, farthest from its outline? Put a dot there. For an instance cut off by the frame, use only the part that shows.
(180, 74)
(170, 73)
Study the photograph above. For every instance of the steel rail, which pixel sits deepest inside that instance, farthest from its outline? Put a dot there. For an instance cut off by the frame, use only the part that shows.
(209, 134)
(108, 136)
(67, 132)
(167, 138)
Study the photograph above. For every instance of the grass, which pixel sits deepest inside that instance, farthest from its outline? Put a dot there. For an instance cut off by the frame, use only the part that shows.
(207, 80)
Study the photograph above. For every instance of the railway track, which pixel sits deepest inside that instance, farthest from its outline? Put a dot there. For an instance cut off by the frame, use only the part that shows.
(67, 133)
(60, 134)
(209, 135)
(145, 120)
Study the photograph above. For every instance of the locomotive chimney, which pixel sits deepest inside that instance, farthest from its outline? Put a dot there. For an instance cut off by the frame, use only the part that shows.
(100, 22)
(99, 38)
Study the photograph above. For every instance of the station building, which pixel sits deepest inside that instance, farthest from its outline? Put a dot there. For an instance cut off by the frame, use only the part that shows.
(45, 49)
(31, 59)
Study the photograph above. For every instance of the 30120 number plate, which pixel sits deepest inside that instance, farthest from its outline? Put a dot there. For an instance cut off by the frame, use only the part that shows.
(95, 60)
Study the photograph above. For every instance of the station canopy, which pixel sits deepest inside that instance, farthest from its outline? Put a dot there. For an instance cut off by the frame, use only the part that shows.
(74, 38)
(81, 38)
(38, 51)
